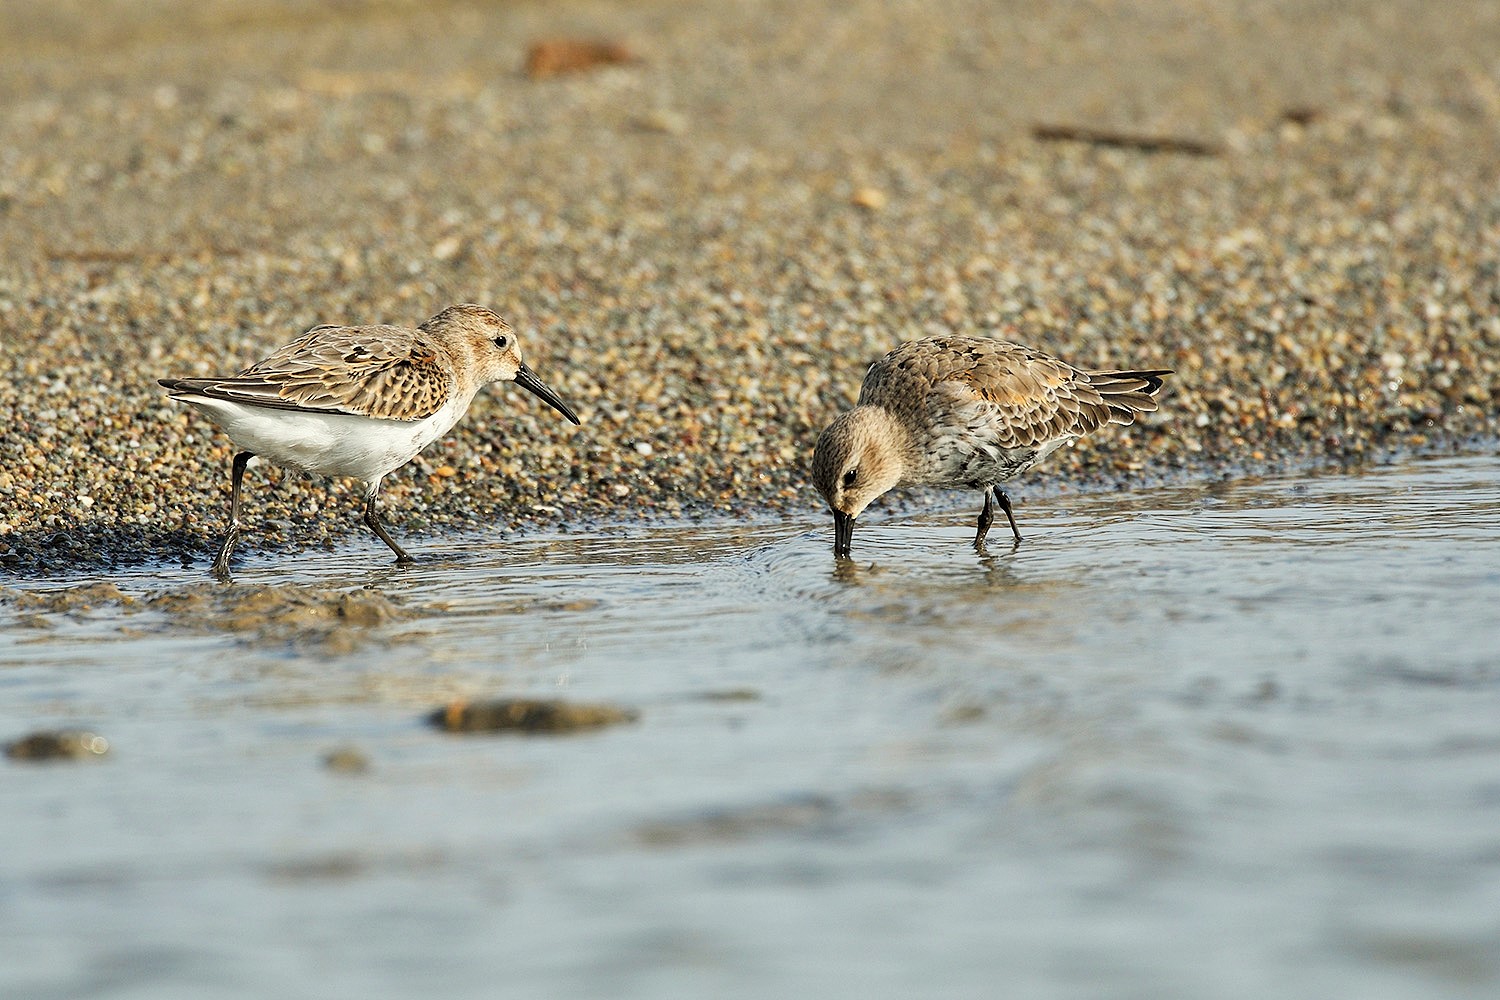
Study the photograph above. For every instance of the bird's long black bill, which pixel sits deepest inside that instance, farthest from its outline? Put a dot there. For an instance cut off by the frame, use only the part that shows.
(527, 379)
(843, 534)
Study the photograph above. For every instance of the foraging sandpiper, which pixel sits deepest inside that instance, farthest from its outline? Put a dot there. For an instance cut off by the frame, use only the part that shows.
(964, 413)
(359, 401)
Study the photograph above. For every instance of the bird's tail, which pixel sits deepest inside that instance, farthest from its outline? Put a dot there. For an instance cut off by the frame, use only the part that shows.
(1128, 393)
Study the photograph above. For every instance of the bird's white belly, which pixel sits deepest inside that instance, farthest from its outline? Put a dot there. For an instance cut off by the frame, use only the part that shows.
(329, 444)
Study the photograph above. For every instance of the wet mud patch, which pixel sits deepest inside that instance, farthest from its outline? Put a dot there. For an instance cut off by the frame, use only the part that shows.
(76, 601)
(329, 620)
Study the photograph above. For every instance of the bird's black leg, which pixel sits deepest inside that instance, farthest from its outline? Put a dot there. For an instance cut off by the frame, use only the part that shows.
(373, 520)
(1004, 500)
(236, 476)
(986, 518)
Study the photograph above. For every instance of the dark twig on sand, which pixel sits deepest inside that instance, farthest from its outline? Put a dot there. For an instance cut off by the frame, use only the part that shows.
(1125, 140)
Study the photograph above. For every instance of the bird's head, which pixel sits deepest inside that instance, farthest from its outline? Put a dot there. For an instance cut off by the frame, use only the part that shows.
(495, 350)
(858, 457)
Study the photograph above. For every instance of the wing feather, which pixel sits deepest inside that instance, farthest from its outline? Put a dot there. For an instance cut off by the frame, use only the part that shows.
(387, 372)
(1037, 398)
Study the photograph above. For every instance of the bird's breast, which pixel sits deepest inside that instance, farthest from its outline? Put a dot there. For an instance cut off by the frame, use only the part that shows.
(328, 443)
(966, 444)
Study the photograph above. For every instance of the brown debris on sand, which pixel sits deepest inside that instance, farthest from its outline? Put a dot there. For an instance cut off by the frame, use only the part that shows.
(558, 56)
(1139, 141)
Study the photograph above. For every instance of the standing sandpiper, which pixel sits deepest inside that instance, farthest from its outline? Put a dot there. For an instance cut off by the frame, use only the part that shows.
(359, 401)
(964, 413)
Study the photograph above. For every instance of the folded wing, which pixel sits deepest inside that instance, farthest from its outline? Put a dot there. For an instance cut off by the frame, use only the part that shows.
(1037, 398)
(391, 373)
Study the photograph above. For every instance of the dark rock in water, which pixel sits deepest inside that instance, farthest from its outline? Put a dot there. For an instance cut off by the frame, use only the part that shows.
(527, 715)
(61, 744)
(347, 760)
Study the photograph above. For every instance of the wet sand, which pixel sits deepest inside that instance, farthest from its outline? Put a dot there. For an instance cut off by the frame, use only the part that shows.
(1294, 206)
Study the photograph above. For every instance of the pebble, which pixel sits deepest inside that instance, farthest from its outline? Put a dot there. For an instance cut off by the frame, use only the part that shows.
(65, 744)
(347, 760)
(527, 715)
(707, 298)
(448, 248)
(661, 120)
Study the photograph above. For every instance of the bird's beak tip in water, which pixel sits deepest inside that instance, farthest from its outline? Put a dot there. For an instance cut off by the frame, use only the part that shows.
(843, 534)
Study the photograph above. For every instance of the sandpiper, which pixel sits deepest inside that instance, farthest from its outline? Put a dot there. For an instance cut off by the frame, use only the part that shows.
(964, 413)
(359, 401)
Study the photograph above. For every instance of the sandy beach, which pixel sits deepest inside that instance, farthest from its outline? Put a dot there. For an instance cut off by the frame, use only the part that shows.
(1296, 207)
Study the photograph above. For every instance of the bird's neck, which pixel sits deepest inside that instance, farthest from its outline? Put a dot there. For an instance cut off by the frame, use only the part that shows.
(900, 445)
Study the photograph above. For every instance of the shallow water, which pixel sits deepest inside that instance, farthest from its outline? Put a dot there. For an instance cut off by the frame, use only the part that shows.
(1225, 741)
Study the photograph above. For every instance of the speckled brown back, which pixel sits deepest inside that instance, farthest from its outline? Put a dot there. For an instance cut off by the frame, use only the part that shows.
(1037, 397)
(389, 372)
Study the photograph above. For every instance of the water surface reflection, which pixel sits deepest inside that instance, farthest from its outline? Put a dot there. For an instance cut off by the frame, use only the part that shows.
(1224, 741)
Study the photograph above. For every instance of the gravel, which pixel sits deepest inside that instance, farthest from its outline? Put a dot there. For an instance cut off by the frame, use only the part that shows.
(704, 248)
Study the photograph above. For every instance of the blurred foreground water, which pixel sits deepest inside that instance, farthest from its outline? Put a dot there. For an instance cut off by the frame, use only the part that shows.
(1223, 741)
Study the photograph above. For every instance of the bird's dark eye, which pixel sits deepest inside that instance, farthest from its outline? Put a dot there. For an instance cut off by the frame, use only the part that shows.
(850, 477)
(500, 342)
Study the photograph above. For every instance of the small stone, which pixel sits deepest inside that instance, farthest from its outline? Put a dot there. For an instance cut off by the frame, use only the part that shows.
(448, 248)
(62, 744)
(527, 715)
(968, 711)
(661, 120)
(346, 760)
(868, 198)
